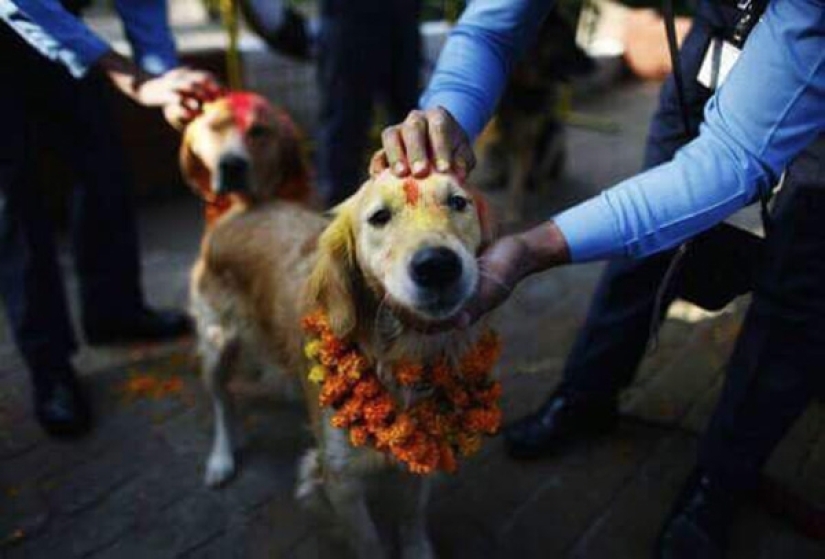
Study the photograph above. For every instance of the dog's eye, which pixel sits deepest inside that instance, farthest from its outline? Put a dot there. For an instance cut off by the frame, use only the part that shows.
(457, 203)
(381, 217)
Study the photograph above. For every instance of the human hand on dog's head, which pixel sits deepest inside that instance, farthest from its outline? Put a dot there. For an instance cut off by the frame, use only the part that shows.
(426, 141)
(180, 92)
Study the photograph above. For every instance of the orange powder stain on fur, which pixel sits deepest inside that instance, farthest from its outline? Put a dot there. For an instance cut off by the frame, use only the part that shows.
(412, 192)
(147, 386)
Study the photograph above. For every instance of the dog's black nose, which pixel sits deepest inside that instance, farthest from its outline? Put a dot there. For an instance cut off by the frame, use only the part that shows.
(435, 267)
(233, 171)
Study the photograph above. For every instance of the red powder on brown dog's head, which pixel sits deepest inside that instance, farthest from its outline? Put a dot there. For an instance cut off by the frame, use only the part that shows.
(244, 106)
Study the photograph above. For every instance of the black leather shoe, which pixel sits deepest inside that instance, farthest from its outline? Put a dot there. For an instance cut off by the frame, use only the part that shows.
(699, 524)
(61, 408)
(561, 419)
(144, 325)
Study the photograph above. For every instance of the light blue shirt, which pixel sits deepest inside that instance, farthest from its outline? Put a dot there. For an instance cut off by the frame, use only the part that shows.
(771, 106)
(62, 37)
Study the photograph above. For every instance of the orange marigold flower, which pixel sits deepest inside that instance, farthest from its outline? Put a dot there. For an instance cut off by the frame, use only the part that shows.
(377, 410)
(458, 397)
(352, 365)
(442, 375)
(450, 421)
(333, 389)
(408, 373)
(397, 432)
(483, 420)
(446, 458)
(368, 388)
(468, 444)
(349, 413)
(358, 436)
(489, 396)
(426, 416)
(479, 361)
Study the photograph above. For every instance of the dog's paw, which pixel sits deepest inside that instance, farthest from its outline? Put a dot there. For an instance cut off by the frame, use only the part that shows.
(219, 469)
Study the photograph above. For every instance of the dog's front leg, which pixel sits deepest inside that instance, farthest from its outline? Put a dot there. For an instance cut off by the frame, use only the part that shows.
(346, 495)
(217, 354)
(413, 495)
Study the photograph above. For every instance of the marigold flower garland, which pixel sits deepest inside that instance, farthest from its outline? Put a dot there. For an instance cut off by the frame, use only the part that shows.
(428, 436)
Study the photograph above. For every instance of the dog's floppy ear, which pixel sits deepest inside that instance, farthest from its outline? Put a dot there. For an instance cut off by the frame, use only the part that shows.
(293, 165)
(331, 285)
(192, 168)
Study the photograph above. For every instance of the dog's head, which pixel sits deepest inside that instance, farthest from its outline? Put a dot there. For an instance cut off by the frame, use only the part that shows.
(241, 145)
(409, 243)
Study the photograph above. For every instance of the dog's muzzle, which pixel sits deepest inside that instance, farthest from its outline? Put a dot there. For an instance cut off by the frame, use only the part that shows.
(233, 174)
(435, 268)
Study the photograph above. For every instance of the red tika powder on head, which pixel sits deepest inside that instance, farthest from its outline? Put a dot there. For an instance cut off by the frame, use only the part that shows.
(243, 107)
(412, 192)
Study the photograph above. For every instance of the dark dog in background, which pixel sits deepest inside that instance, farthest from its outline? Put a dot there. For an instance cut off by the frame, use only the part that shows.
(527, 149)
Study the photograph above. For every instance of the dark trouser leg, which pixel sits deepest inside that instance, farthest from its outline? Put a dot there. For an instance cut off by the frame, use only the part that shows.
(777, 364)
(346, 106)
(403, 84)
(30, 278)
(613, 340)
(369, 51)
(104, 226)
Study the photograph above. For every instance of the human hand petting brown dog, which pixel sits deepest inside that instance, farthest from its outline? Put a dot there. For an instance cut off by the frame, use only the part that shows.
(433, 140)
(180, 92)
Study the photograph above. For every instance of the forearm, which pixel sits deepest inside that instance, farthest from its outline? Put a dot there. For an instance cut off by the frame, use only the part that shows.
(544, 247)
(146, 23)
(771, 106)
(54, 33)
(124, 74)
(473, 67)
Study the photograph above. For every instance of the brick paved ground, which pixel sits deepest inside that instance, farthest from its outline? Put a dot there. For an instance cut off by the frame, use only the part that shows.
(133, 488)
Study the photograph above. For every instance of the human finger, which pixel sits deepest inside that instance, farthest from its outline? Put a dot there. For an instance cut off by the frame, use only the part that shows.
(438, 128)
(394, 151)
(378, 163)
(414, 136)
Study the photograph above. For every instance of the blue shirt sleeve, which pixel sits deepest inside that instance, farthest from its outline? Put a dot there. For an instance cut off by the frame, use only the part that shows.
(771, 106)
(54, 32)
(146, 24)
(472, 69)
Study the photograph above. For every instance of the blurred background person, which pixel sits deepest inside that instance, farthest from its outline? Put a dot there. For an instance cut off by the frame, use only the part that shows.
(53, 70)
(368, 54)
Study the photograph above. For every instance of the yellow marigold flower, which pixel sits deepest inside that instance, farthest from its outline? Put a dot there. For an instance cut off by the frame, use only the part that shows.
(317, 374)
(312, 349)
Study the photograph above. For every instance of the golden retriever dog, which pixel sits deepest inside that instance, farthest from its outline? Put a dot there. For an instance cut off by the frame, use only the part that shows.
(397, 253)
(240, 151)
